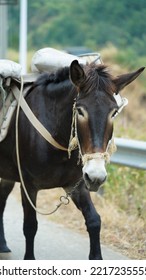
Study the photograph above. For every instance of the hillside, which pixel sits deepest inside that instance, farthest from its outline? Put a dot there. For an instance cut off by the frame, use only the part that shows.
(92, 24)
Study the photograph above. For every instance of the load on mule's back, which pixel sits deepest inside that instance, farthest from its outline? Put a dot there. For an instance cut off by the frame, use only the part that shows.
(75, 104)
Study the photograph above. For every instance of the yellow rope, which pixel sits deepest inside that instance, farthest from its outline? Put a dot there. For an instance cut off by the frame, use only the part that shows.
(73, 142)
(106, 155)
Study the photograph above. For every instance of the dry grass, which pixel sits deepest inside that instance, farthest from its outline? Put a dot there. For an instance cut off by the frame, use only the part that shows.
(120, 230)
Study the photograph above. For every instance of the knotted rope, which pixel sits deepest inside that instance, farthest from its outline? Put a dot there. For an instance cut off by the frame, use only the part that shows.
(106, 155)
(73, 141)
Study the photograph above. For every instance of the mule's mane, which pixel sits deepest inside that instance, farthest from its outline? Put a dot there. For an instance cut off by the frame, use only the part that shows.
(97, 76)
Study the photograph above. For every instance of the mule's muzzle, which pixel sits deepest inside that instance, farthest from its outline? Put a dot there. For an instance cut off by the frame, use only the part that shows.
(94, 174)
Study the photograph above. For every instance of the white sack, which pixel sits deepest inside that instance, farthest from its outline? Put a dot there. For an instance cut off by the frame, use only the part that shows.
(10, 68)
(49, 60)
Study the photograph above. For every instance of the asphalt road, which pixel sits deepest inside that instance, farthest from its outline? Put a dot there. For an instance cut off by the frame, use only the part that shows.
(53, 241)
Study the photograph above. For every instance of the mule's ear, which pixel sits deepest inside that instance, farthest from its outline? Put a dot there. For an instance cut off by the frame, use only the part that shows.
(77, 74)
(125, 79)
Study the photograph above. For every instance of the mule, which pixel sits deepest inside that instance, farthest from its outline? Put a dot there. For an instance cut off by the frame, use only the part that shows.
(89, 90)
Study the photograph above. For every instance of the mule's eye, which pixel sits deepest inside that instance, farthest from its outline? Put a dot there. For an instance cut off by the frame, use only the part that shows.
(80, 111)
(114, 113)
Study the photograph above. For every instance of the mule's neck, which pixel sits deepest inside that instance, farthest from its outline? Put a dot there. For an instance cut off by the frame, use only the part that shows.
(61, 108)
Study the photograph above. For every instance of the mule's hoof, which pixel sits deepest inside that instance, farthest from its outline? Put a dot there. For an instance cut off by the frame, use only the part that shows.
(4, 249)
(29, 257)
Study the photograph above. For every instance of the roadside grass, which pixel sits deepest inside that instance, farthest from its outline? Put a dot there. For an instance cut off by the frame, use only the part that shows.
(126, 187)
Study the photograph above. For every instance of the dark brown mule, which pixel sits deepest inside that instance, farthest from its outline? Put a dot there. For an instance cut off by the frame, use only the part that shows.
(51, 99)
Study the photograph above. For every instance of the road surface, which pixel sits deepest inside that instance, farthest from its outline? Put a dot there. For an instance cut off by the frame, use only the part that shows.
(53, 241)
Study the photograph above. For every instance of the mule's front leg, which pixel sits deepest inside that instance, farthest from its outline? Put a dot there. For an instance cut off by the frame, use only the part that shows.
(5, 189)
(30, 223)
(82, 200)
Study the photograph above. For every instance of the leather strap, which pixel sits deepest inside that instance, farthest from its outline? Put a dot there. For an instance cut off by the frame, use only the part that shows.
(34, 121)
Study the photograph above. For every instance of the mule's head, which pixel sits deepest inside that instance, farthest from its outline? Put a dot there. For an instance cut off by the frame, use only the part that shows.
(95, 111)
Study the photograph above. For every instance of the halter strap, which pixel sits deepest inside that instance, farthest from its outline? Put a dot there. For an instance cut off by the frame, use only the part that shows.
(111, 148)
(34, 121)
(87, 157)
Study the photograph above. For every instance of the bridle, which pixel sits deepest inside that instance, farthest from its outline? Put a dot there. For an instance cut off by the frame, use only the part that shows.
(74, 141)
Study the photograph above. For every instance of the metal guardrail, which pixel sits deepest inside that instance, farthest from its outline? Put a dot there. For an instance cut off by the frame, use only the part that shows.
(130, 153)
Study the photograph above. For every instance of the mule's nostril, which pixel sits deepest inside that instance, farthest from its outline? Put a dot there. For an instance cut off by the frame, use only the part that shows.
(87, 178)
(101, 180)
